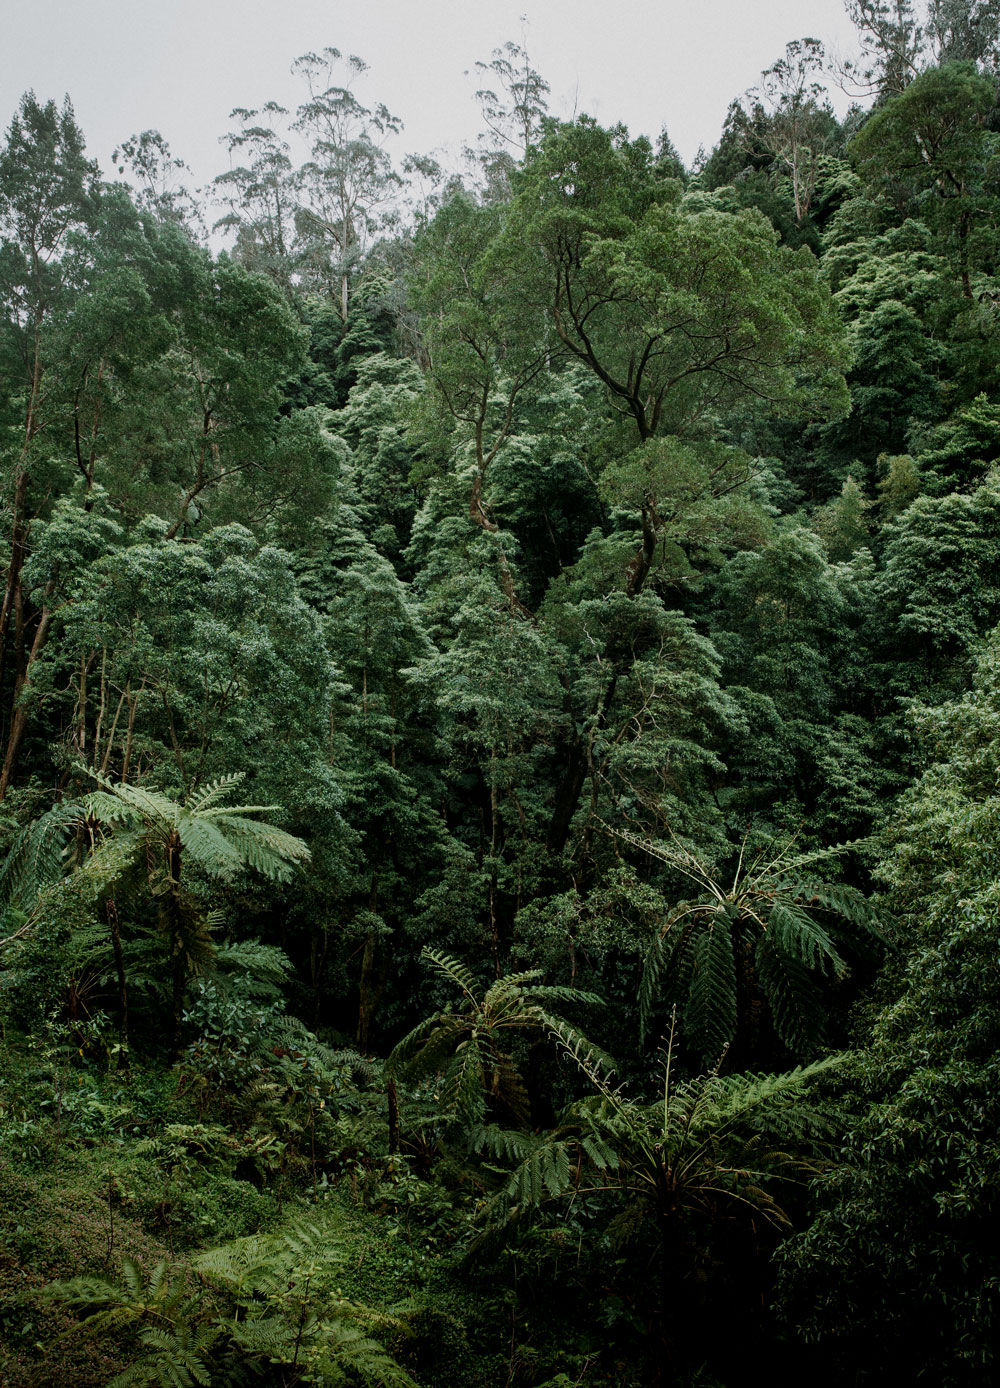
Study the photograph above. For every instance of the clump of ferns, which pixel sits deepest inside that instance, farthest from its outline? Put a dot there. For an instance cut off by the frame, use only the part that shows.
(263, 1301)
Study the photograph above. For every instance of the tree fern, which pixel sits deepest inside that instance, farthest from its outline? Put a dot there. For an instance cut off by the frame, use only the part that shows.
(713, 1147)
(467, 1046)
(770, 935)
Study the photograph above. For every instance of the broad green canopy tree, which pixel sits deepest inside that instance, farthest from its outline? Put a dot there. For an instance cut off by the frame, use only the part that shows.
(932, 147)
(679, 308)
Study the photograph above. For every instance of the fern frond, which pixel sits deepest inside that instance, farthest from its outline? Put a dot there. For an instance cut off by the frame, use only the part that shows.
(424, 1048)
(666, 948)
(263, 970)
(820, 855)
(843, 901)
(797, 935)
(215, 791)
(545, 1172)
(506, 1144)
(109, 809)
(795, 1001)
(37, 856)
(711, 1015)
(264, 847)
(453, 970)
(464, 1083)
(772, 1102)
(596, 1064)
(553, 992)
(208, 846)
(348, 1353)
(151, 804)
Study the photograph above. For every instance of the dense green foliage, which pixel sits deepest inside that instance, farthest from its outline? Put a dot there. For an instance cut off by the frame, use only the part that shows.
(585, 572)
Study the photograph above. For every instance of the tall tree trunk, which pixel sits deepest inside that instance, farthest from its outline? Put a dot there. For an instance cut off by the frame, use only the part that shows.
(13, 596)
(19, 721)
(116, 946)
(171, 910)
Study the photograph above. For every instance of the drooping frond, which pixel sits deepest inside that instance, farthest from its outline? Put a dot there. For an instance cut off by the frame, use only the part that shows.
(264, 847)
(427, 1046)
(543, 1170)
(110, 809)
(710, 1018)
(348, 1354)
(205, 845)
(37, 856)
(551, 992)
(157, 1299)
(668, 955)
(263, 970)
(464, 1083)
(847, 903)
(799, 936)
(793, 866)
(259, 1262)
(795, 1001)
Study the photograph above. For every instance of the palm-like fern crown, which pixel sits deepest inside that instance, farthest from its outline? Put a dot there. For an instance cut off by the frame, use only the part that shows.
(221, 839)
(716, 1144)
(776, 927)
(468, 1045)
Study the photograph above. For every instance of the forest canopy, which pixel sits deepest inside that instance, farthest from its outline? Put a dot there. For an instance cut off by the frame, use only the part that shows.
(498, 739)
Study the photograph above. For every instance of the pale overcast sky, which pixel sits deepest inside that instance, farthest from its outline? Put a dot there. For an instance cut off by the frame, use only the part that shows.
(181, 66)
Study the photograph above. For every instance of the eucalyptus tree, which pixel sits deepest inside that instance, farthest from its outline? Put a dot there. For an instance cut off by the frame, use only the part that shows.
(348, 184)
(259, 191)
(486, 344)
(899, 40)
(683, 313)
(156, 175)
(514, 106)
(798, 125)
(891, 40)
